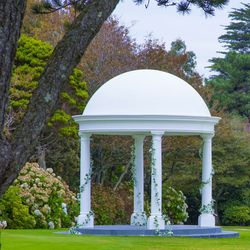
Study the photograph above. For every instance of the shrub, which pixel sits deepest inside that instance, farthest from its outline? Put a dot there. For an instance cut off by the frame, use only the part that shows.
(14, 211)
(35, 200)
(110, 207)
(236, 215)
(174, 206)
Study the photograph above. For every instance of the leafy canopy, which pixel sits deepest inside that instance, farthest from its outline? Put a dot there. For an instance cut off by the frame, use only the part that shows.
(31, 58)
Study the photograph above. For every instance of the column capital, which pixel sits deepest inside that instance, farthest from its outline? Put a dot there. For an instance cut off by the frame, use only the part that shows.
(139, 137)
(84, 134)
(157, 133)
(206, 137)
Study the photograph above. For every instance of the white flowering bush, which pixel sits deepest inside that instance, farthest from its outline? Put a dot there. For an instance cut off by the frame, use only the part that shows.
(3, 224)
(174, 205)
(38, 199)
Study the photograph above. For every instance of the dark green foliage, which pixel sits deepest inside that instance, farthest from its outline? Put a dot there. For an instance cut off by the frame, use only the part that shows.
(237, 37)
(63, 157)
(231, 84)
(231, 162)
(236, 215)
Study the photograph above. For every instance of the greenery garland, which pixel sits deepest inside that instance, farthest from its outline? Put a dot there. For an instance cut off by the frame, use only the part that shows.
(74, 230)
(207, 209)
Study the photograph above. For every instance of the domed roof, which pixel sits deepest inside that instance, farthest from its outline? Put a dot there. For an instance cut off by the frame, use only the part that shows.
(146, 92)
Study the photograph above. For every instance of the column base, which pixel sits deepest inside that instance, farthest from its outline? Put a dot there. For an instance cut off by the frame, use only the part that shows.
(138, 219)
(85, 220)
(206, 220)
(156, 222)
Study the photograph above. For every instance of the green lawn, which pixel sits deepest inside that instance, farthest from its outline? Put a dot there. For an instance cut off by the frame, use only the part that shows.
(46, 240)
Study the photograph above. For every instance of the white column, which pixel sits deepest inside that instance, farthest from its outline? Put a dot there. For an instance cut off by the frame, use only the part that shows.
(156, 221)
(138, 218)
(206, 218)
(86, 218)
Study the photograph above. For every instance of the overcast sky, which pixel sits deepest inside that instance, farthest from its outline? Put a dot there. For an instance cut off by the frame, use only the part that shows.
(199, 33)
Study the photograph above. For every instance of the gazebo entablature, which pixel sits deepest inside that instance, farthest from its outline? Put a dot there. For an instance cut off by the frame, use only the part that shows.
(138, 128)
(175, 109)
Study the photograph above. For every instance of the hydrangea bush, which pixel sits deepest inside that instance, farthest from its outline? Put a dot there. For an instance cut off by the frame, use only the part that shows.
(175, 206)
(38, 199)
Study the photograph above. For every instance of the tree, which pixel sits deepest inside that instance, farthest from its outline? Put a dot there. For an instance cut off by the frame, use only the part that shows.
(231, 162)
(65, 57)
(58, 146)
(179, 48)
(111, 53)
(237, 32)
(231, 84)
(48, 28)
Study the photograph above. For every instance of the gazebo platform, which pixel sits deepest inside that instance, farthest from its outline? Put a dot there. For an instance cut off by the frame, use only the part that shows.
(177, 230)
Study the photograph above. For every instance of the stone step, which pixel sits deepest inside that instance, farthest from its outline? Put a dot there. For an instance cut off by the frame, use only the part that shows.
(177, 230)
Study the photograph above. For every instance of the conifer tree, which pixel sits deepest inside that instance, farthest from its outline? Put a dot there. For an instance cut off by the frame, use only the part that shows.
(231, 84)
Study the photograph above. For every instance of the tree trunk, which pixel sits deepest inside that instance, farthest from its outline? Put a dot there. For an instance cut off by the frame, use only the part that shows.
(11, 17)
(65, 57)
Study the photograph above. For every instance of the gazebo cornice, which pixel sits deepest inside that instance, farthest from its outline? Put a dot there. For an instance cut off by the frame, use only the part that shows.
(145, 124)
(83, 118)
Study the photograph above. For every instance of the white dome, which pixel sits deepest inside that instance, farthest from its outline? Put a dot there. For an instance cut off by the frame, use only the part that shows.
(146, 92)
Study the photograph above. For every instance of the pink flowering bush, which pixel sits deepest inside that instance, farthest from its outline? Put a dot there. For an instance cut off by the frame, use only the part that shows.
(38, 199)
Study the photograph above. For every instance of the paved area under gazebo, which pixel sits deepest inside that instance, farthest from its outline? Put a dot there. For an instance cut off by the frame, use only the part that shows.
(171, 230)
(146, 103)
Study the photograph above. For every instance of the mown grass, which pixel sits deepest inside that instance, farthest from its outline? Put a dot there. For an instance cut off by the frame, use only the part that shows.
(49, 240)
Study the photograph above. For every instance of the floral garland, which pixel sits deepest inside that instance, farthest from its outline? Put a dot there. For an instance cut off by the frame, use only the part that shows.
(203, 183)
(153, 160)
(158, 231)
(86, 179)
(167, 232)
(207, 209)
(139, 219)
(132, 162)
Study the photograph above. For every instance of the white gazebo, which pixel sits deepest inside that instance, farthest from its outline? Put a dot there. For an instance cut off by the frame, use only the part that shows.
(142, 103)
